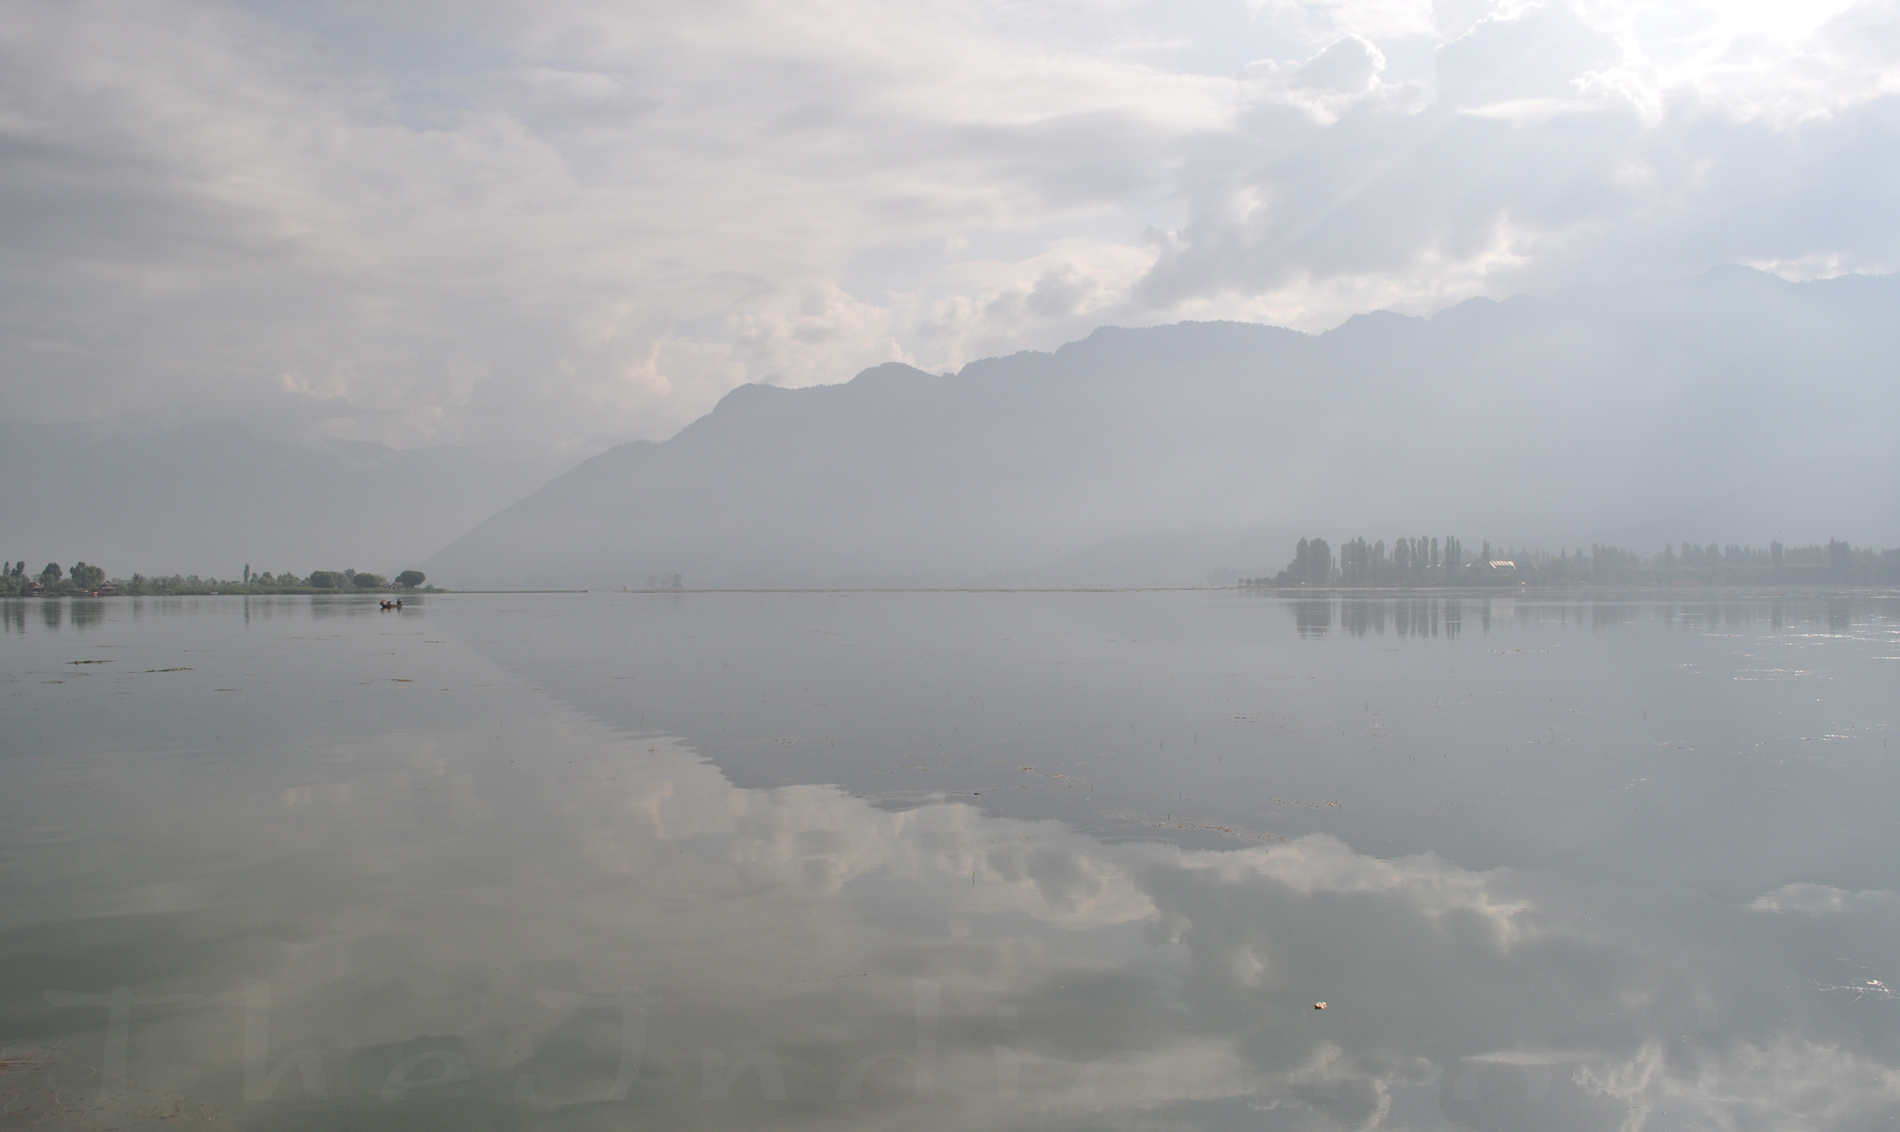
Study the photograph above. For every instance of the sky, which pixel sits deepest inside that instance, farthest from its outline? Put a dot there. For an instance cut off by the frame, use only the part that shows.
(549, 225)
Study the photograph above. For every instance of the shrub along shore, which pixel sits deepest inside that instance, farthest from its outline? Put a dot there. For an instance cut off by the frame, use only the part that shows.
(85, 580)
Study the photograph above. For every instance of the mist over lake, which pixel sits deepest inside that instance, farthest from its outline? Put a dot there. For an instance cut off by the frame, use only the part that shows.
(964, 860)
(956, 566)
(1200, 452)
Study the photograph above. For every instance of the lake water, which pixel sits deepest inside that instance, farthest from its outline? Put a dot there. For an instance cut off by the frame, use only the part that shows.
(949, 861)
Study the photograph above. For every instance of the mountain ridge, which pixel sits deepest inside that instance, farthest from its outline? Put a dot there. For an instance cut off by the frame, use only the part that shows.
(1648, 411)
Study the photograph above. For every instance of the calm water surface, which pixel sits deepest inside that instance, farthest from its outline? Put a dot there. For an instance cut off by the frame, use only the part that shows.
(1063, 861)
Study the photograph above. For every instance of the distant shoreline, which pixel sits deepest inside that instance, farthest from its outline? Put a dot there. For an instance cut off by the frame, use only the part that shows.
(1278, 591)
(1751, 589)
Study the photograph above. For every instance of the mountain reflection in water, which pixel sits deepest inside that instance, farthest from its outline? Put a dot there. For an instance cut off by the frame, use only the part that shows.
(956, 861)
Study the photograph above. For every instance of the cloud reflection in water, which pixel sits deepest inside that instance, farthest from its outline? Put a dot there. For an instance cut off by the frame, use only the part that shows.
(488, 908)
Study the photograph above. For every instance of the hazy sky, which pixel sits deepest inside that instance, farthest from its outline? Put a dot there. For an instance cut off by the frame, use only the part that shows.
(539, 223)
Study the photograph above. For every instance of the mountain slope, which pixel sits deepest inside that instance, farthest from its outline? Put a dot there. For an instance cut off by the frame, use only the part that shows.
(210, 498)
(1728, 406)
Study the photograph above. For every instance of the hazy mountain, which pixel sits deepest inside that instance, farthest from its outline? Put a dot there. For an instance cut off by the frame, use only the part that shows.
(1732, 406)
(210, 498)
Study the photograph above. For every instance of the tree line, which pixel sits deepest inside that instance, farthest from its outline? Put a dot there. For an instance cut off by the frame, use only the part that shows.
(1413, 562)
(86, 580)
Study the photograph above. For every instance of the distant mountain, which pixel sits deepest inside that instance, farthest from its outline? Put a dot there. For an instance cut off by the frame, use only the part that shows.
(209, 499)
(1732, 406)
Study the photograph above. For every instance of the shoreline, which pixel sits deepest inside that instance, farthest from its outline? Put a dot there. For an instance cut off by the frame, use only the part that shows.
(1753, 590)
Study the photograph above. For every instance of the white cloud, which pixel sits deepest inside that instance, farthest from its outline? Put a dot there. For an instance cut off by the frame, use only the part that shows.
(536, 223)
(1820, 900)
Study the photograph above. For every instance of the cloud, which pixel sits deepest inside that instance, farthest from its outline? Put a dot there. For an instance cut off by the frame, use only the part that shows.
(1820, 900)
(532, 223)
(1555, 148)
(1135, 983)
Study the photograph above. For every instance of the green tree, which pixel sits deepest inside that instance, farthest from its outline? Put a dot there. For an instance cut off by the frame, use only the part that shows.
(1319, 562)
(410, 579)
(367, 581)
